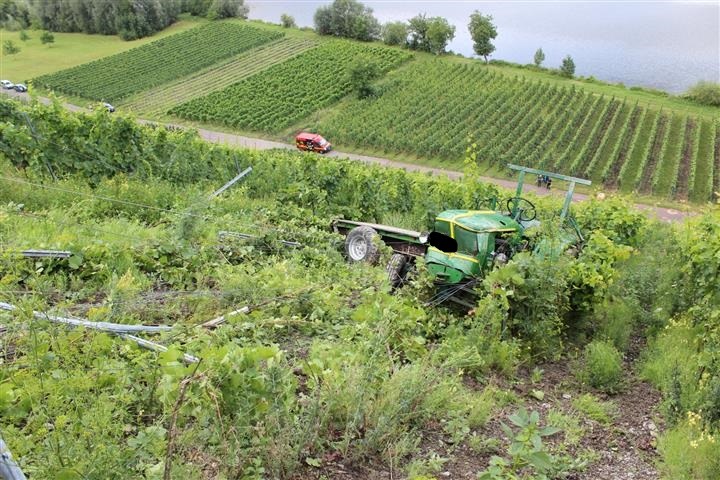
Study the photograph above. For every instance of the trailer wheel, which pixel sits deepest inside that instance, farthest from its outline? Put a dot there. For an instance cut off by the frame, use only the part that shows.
(360, 245)
(396, 269)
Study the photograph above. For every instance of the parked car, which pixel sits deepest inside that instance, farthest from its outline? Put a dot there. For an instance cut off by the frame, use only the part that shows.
(312, 142)
(108, 107)
(20, 87)
(7, 84)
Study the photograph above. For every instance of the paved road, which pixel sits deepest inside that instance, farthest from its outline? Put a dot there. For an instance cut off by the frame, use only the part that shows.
(662, 213)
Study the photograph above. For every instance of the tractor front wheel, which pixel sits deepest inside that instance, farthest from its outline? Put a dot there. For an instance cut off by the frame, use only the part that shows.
(361, 246)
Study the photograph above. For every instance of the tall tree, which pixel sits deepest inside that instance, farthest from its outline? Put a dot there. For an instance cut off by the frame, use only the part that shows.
(347, 18)
(395, 33)
(287, 21)
(539, 57)
(430, 34)
(439, 33)
(482, 31)
(567, 68)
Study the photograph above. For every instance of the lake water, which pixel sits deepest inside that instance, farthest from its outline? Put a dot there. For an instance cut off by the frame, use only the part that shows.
(658, 44)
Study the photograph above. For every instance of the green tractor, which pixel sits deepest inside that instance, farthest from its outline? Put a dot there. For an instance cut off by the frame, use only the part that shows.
(463, 244)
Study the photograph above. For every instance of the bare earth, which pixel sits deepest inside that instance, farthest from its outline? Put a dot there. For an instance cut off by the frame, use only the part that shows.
(661, 213)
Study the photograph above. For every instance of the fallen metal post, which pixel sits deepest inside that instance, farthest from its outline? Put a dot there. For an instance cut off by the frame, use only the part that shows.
(46, 254)
(222, 318)
(102, 326)
(230, 183)
(114, 328)
(156, 347)
(9, 470)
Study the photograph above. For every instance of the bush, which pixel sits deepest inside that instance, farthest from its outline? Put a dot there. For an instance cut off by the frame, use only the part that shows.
(615, 322)
(602, 367)
(9, 48)
(705, 93)
(287, 21)
(595, 409)
(47, 37)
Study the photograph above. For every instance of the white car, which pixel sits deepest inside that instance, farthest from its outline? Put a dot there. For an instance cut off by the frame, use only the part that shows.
(108, 107)
(7, 84)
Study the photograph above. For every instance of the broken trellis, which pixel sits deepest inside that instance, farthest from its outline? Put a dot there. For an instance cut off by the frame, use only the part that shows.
(119, 329)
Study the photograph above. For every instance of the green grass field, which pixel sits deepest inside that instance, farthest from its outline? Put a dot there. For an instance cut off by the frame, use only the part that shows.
(70, 49)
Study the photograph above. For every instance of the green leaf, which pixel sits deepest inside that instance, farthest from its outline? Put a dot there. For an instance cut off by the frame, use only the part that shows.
(75, 261)
(547, 431)
(313, 462)
(537, 394)
(540, 460)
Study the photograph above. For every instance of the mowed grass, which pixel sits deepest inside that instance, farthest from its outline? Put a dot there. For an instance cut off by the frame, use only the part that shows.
(69, 50)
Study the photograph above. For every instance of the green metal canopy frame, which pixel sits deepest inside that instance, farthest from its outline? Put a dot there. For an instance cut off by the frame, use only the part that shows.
(558, 176)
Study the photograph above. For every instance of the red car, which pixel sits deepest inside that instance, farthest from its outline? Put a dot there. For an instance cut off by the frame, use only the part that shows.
(312, 142)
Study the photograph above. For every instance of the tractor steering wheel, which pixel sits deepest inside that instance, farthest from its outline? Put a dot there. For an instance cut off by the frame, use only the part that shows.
(525, 208)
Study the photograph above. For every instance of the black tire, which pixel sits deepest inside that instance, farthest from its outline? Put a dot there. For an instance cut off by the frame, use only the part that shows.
(396, 269)
(361, 246)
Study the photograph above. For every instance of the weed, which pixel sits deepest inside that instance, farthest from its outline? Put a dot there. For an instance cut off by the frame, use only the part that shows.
(602, 367)
(595, 409)
(425, 467)
(569, 424)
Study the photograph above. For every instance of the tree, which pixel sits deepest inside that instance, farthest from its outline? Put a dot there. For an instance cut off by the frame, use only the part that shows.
(482, 31)
(220, 9)
(439, 33)
(9, 48)
(395, 33)
(361, 74)
(24, 36)
(567, 69)
(47, 37)
(429, 34)
(287, 21)
(539, 57)
(705, 93)
(347, 18)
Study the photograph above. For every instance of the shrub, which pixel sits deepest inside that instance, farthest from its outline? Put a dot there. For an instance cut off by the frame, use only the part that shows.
(9, 48)
(615, 322)
(287, 21)
(706, 93)
(24, 36)
(602, 366)
(567, 68)
(47, 37)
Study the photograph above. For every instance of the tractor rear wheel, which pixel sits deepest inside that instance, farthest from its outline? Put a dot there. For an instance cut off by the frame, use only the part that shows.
(361, 245)
(396, 269)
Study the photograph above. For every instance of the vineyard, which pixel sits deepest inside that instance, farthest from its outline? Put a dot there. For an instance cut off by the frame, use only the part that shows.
(156, 102)
(288, 92)
(429, 109)
(118, 76)
(269, 356)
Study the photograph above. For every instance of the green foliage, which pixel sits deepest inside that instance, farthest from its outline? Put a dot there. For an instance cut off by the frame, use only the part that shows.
(47, 38)
(482, 31)
(118, 76)
(220, 9)
(689, 452)
(602, 367)
(430, 34)
(528, 456)
(395, 33)
(24, 36)
(289, 91)
(348, 19)
(539, 57)
(9, 48)
(567, 68)
(595, 409)
(615, 322)
(705, 93)
(287, 21)
(361, 73)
